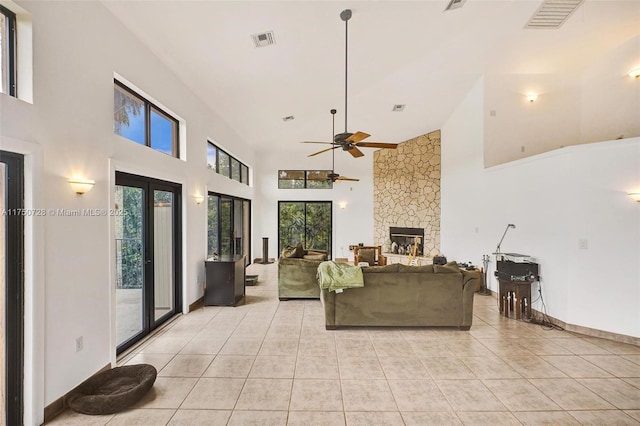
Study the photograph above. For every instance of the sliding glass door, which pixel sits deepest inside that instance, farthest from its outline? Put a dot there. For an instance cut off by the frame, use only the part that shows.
(305, 222)
(11, 287)
(229, 224)
(147, 255)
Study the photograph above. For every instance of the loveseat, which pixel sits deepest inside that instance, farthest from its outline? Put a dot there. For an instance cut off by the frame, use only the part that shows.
(399, 295)
(297, 273)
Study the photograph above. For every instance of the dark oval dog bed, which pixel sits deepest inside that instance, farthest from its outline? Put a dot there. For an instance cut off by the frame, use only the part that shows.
(113, 390)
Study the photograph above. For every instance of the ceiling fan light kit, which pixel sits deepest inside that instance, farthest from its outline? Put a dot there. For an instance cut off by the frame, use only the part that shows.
(350, 142)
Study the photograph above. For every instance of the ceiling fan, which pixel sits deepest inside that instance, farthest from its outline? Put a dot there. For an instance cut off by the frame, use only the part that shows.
(333, 176)
(350, 142)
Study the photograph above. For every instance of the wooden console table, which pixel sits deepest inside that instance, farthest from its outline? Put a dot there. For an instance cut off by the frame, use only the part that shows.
(515, 297)
(225, 281)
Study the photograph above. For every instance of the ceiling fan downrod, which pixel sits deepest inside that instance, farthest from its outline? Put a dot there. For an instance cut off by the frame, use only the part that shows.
(345, 15)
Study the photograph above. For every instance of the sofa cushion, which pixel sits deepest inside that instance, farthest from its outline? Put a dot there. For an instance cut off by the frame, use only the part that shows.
(414, 269)
(316, 256)
(446, 269)
(293, 252)
(367, 255)
(393, 268)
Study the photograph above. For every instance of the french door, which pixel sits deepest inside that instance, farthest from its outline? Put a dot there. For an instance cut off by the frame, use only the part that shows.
(11, 289)
(148, 252)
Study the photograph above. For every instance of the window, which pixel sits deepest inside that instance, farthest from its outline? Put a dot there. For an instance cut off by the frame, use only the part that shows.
(7, 51)
(221, 162)
(300, 179)
(140, 121)
(305, 222)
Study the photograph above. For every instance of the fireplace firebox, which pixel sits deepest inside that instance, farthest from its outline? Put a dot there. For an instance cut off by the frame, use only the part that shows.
(402, 239)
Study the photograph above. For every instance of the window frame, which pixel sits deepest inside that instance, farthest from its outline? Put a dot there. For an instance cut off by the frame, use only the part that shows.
(305, 179)
(148, 107)
(216, 166)
(12, 69)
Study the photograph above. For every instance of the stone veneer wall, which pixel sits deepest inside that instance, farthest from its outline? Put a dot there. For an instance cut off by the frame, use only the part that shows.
(406, 190)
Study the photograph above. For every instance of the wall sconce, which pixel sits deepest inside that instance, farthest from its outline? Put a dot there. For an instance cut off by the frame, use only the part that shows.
(532, 97)
(80, 185)
(635, 196)
(342, 204)
(199, 198)
(635, 73)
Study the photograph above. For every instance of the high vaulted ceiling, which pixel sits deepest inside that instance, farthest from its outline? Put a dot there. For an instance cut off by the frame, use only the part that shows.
(412, 53)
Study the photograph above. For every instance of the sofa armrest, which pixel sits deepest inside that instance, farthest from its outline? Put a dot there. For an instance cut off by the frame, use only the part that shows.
(470, 284)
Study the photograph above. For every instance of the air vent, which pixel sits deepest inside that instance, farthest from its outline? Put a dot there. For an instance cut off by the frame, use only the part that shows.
(553, 13)
(263, 39)
(398, 107)
(287, 118)
(454, 4)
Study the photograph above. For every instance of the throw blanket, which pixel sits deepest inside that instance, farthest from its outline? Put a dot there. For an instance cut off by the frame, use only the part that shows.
(338, 276)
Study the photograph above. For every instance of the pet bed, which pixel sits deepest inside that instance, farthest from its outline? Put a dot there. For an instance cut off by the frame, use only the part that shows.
(113, 390)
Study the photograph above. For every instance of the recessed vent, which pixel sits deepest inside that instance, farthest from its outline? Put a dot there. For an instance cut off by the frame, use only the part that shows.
(553, 13)
(398, 107)
(454, 4)
(263, 39)
(287, 118)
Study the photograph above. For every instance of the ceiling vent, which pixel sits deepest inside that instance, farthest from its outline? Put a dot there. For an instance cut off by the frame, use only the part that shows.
(398, 107)
(263, 39)
(553, 13)
(287, 118)
(454, 4)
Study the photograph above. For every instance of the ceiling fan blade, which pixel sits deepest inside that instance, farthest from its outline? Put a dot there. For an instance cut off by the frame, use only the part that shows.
(357, 137)
(320, 152)
(346, 178)
(327, 143)
(377, 145)
(356, 152)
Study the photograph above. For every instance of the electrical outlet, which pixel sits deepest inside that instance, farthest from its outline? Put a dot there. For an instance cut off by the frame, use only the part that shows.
(79, 344)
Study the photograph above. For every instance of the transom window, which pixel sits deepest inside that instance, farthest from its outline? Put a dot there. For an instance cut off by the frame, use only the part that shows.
(7, 51)
(301, 179)
(140, 121)
(221, 162)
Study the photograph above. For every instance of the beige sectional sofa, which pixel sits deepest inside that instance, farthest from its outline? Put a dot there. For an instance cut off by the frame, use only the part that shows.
(297, 275)
(399, 295)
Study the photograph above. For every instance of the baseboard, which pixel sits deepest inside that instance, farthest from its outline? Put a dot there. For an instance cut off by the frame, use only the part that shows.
(591, 332)
(197, 304)
(59, 405)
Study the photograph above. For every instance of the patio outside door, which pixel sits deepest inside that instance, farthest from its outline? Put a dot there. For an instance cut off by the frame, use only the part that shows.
(147, 255)
(11, 285)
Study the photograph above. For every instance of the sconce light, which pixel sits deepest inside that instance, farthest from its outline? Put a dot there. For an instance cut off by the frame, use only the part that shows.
(531, 97)
(199, 198)
(635, 196)
(635, 73)
(80, 185)
(342, 204)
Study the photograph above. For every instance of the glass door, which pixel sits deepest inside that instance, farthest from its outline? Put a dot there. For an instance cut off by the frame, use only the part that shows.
(147, 255)
(11, 287)
(305, 222)
(229, 226)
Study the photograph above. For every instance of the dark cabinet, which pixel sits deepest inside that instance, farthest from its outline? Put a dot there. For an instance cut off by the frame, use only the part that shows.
(225, 280)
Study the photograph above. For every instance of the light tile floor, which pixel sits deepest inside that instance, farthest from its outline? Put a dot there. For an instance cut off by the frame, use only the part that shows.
(272, 363)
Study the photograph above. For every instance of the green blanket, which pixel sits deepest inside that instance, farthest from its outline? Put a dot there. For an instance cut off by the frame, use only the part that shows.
(338, 276)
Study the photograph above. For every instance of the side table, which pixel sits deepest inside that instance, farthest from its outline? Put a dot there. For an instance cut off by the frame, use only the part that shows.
(515, 296)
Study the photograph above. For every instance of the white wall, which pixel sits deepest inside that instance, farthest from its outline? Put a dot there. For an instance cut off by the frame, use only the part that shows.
(556, 200)
(351, 225)
(78, 46)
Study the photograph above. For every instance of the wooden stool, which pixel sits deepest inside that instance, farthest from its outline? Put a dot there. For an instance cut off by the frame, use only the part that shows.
(515, 296)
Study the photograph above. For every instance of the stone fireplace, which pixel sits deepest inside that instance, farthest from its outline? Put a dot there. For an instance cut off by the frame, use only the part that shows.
(406, 191)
